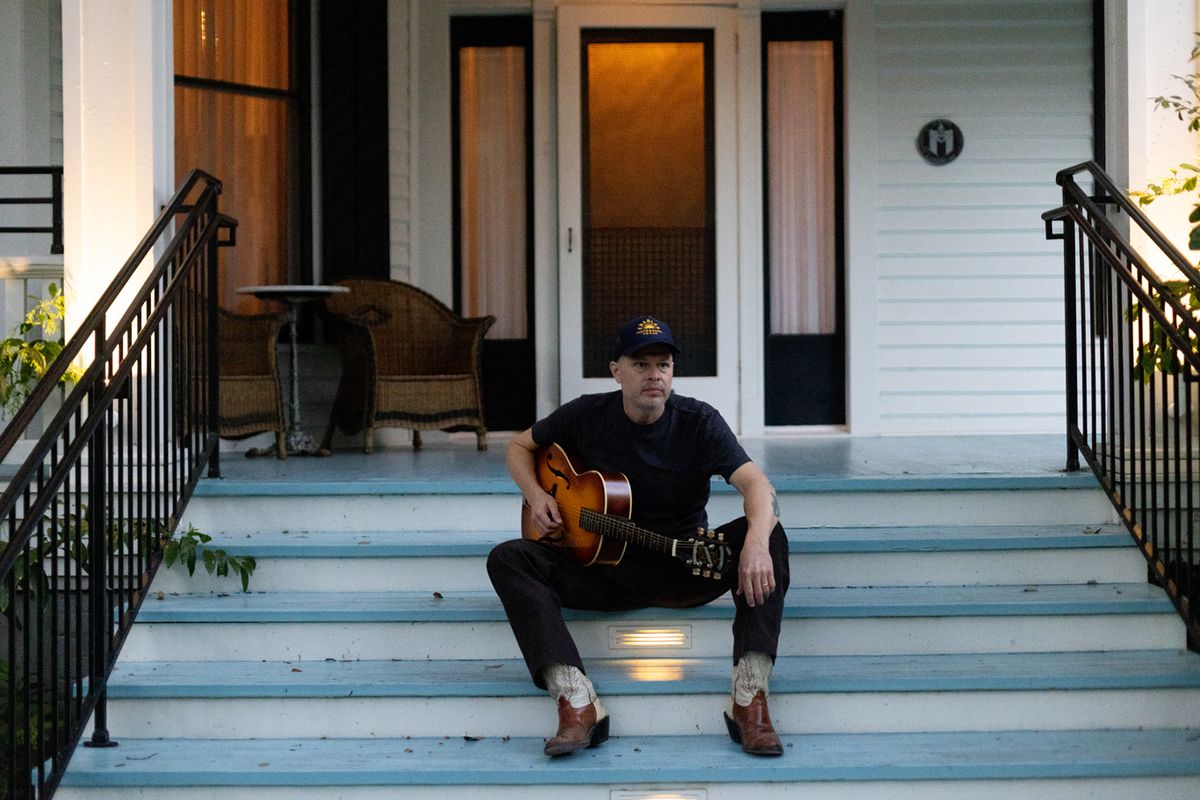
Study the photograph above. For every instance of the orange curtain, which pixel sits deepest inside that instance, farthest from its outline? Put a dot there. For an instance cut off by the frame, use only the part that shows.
(492, 183)
(239, 136)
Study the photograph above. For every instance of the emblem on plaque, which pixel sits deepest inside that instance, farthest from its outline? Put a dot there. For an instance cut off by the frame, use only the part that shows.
(940, 141)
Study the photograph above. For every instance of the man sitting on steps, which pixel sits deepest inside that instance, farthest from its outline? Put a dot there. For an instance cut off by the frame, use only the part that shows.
(669, 447)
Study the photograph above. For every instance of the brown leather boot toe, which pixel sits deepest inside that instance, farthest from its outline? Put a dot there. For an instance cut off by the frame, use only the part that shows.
(750, 726)
(577, 728)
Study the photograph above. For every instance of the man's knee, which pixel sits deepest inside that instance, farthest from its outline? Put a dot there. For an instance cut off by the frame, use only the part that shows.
(509, 556)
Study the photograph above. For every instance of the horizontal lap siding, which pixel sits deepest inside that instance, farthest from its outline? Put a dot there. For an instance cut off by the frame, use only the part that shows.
(969, 290)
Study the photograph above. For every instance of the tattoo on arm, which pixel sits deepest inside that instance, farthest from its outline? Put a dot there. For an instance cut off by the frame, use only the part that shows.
(775, 505)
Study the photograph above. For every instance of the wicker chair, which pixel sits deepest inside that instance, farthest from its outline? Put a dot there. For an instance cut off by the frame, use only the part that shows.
(251, 400)
(407, 362)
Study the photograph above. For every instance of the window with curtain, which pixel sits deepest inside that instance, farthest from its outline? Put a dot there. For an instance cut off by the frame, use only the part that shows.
(802, 257)
(236, 114)
(493, 245)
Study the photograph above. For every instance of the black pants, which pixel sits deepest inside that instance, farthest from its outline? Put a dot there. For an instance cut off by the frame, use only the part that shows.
(536, 581)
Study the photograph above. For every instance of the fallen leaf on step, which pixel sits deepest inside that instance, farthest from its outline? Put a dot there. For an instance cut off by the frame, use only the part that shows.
(160, 596)
(265, 764)
(1029, 589)
(437, 595)
(297, 669)
(507, 738)
(472, 738)
(408, 749)
(1091, 531)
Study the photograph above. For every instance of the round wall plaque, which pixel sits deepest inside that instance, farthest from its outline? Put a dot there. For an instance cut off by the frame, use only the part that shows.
(940, 141)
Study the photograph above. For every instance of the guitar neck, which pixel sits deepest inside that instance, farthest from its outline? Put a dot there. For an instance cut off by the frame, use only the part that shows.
(623, 530)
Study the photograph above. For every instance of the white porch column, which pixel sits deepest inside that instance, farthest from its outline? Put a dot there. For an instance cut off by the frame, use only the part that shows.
(118, 136)
(1146, 44)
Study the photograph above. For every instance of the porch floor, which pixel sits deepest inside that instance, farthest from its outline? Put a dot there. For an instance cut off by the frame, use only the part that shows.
(794, 464)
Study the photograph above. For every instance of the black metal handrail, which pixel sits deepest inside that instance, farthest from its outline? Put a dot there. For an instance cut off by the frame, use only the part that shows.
(54, 200)
(1132, 373)
(86, 515)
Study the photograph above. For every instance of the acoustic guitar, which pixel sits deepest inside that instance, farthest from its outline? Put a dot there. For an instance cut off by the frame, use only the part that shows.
(595, 507)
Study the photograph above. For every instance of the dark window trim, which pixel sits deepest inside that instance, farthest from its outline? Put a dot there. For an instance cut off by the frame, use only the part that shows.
(491, 31)
(299, 126)
(1099, 98)
(795, 26)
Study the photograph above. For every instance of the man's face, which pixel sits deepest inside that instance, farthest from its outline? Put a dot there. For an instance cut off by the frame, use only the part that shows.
(645, 379)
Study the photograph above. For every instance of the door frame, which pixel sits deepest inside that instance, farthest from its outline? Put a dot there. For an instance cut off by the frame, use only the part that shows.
(724, 390)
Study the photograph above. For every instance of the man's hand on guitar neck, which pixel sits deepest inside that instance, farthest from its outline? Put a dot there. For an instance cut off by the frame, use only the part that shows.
(520, 460)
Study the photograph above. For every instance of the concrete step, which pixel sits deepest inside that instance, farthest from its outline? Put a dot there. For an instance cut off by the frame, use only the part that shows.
(809, 694)
(1061, 764)
(334, 561)
(286, 626)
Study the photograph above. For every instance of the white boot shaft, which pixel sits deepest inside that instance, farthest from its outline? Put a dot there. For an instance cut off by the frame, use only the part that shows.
(751, 676)
(563, 680)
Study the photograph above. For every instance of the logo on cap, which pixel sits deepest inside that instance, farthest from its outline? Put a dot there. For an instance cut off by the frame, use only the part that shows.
(649, 327)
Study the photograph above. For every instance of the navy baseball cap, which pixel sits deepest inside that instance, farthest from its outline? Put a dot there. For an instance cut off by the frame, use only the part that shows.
(641, 332)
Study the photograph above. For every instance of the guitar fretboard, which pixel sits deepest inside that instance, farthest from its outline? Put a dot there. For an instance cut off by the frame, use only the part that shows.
(624, 530)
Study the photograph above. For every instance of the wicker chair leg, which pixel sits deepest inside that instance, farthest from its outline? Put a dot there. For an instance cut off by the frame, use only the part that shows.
(416, 440)
(280, 445)
(368, 439)
(481, 438)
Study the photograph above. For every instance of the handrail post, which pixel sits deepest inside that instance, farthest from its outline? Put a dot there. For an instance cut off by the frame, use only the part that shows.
(1072, 342)
(212, 374)
(97, 536)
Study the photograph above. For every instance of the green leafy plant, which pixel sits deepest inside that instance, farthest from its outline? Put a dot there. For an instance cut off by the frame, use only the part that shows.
(191, 545)
(1158, 352)
(26, 357)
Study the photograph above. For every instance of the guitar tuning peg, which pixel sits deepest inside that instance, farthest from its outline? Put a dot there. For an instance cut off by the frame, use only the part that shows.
(695, 570)
(708, 573)
(720, 537)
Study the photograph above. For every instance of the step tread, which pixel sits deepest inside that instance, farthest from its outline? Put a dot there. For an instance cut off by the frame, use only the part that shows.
(643, 759)
(415, 544)
(500, 484)
(479, 606)
(1139, 669)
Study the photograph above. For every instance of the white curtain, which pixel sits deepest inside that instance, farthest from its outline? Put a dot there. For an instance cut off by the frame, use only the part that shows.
(801, 195)
(492, 185)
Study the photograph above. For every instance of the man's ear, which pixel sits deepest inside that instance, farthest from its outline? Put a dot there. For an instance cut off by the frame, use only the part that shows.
(615, 369)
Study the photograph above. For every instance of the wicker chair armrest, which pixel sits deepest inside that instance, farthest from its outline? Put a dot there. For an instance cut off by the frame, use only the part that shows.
(467, 335)
(247, 342)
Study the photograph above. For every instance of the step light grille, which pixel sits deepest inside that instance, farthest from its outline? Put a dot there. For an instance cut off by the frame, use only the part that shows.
(659, 794)
(636, 638)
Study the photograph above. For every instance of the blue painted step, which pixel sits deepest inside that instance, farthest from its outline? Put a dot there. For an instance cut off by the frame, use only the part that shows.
(635, 760)
(891, 602)
(417, 544)
(1135, 669)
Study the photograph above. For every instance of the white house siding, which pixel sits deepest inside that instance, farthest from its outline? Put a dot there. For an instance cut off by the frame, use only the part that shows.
(969, 309)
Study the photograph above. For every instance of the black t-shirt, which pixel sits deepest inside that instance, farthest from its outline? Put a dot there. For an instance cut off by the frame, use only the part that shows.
(669, 463)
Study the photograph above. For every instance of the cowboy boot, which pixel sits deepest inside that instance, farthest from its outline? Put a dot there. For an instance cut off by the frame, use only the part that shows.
(582, 720)
(748, 720)
(750, 726)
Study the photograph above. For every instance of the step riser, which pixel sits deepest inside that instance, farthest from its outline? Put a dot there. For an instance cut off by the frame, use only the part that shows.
(816, 509)
(1112, 565)
(651, 715)
(493, 640)
(1088, 789)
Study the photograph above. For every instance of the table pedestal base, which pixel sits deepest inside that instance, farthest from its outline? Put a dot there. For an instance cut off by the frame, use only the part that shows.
(299, 443)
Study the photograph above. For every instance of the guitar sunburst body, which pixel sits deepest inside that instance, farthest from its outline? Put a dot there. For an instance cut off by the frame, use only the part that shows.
(596, 506)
